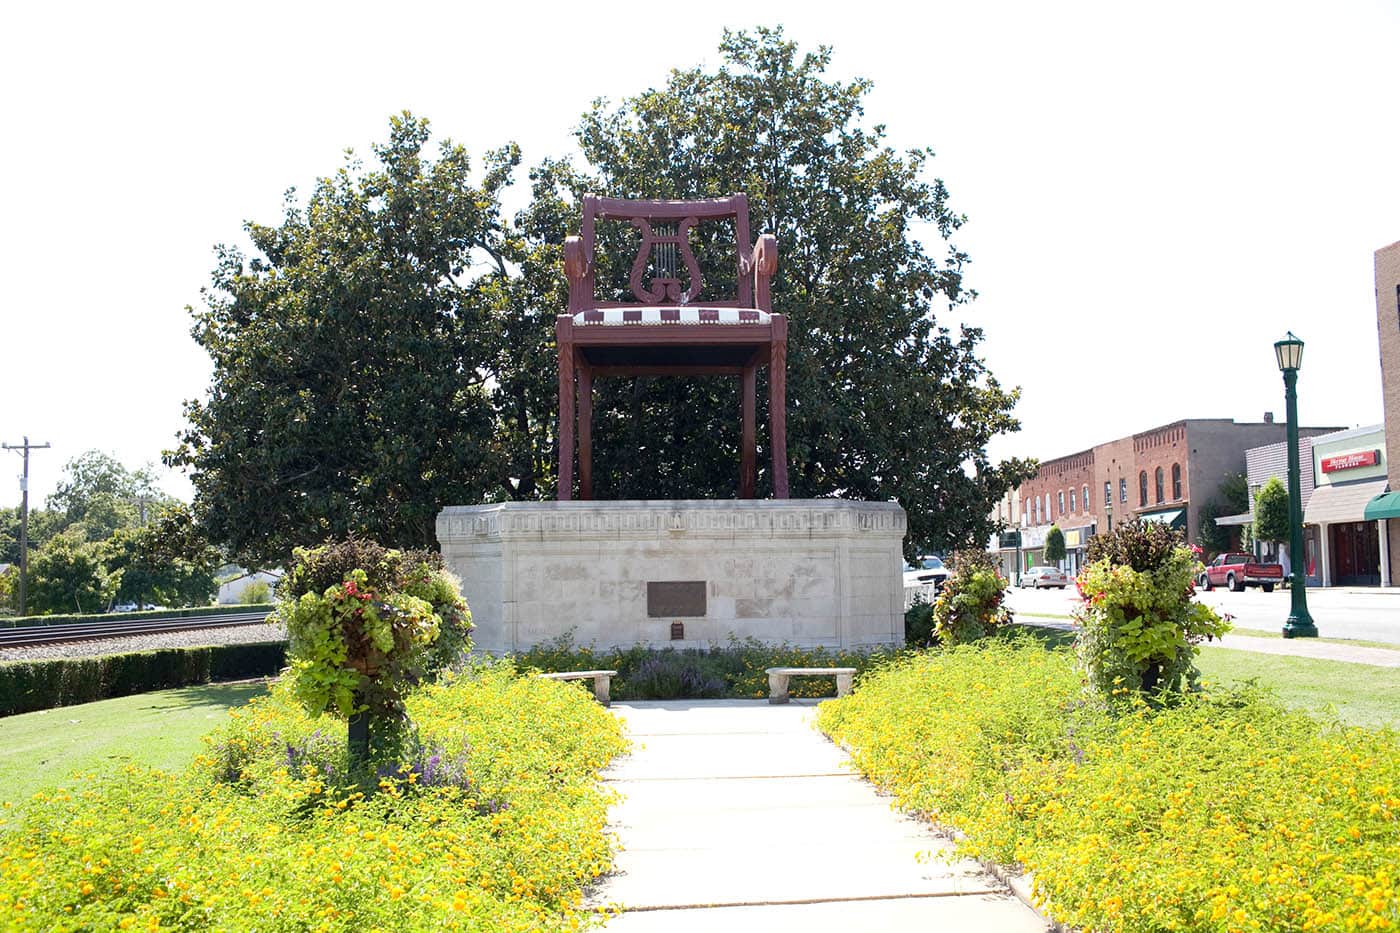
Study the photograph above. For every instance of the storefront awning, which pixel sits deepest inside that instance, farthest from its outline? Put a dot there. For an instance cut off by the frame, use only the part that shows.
(1233, 521)
(1341, 503)
(1386, 505)
(1176, 518)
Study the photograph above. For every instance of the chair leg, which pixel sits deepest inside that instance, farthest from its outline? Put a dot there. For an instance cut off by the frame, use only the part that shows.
(585, 429)
(748, 441)
(566, 409)
(777, 406)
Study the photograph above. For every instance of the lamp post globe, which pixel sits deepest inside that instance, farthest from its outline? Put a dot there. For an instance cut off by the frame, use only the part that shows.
(1289, 353)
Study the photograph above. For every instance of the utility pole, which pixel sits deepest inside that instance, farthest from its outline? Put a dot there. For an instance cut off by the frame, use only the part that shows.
(25, 448)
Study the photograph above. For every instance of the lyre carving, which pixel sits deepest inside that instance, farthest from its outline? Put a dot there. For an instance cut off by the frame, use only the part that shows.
(668, 240)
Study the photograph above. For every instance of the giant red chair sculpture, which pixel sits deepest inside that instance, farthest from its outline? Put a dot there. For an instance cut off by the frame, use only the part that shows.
(669, 332)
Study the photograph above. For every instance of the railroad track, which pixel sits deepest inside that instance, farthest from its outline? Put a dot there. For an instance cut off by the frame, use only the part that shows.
(25, 635)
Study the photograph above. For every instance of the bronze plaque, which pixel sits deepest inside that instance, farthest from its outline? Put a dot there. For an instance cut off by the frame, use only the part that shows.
(676, 598)
(677, 631)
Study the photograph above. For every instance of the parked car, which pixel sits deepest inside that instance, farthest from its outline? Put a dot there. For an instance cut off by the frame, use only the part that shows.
(1039, 577)
(926, 571)
(1238, 571)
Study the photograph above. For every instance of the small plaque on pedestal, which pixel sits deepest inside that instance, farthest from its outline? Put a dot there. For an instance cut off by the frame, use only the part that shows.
(676, 598)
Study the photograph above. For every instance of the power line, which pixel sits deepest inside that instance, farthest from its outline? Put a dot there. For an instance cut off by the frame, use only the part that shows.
(26, 447)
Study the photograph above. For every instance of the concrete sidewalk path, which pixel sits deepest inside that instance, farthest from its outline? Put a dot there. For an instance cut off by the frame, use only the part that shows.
(738, 815)
(1311, 648)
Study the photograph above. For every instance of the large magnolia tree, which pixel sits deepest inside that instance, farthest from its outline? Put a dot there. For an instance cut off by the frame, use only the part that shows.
(390, 351)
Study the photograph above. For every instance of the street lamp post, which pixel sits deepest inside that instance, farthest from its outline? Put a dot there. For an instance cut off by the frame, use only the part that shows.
(1289, 352)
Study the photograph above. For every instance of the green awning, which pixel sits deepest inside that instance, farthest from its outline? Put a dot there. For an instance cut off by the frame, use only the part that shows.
(1386, 505)
(1176, 518)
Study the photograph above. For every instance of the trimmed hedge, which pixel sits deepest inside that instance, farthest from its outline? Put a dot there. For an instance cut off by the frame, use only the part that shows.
(13, 621)
(26, 686)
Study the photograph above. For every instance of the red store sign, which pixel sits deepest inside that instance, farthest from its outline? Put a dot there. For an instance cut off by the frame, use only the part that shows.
(1351, 461)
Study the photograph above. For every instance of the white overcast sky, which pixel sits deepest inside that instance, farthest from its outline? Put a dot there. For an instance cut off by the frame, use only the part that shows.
(1155, 192)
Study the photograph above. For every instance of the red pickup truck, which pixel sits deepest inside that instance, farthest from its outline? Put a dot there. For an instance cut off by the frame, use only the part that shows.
(1238, 571)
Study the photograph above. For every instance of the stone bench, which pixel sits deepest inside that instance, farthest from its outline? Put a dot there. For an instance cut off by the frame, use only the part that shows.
(778, 679)
(602, 682)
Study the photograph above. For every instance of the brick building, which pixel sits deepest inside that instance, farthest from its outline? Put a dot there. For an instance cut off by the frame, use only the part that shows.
(1386, 509)
(1163, 474)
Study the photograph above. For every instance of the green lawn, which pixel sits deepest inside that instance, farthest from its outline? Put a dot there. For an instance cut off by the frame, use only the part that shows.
(160, 729)
(1361, 694)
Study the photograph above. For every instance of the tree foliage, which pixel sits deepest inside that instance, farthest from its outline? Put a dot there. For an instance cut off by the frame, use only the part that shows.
(1232, 498)
(350, 358)
(1212, 538)
(1234, 494)
(98, 495)
(1054, 545)
(68, 575)
(43, 524)
(389, 350)
(167, 563)
(1271, 521)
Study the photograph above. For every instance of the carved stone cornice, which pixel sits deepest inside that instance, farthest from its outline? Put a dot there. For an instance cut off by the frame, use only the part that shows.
(643, 519)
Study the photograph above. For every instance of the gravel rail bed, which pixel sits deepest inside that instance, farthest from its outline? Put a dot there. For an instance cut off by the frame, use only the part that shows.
(193, 638)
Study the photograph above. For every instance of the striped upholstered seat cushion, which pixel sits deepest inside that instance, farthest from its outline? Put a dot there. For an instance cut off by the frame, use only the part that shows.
(653, 315)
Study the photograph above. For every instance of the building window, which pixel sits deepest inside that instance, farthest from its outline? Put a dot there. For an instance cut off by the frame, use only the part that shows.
(1161, 486)
(1176, 481)
(1085, 499)
(1062, 503)
(1142, 489)
(1072, 506)
(1107, 493)
(1122, 491)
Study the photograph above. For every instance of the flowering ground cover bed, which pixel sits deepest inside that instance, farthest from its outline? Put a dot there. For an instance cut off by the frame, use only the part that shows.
(493, 819)
(1226, 811)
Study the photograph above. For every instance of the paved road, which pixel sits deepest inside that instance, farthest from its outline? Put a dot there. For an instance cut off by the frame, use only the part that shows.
(1368, 615)
(737, 815)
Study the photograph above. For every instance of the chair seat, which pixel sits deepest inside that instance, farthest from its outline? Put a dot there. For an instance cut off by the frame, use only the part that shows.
(673, 315)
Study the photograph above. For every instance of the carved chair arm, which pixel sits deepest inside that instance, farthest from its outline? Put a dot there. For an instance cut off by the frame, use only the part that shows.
(575, 261)
(765, 263)
(578, 269)
(765, 256)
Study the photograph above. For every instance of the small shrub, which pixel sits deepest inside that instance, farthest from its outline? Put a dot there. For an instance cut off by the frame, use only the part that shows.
(673, 675)
(255, 594)
(1139, 626)
(969, 606)
(918, 625)
(1054, 551)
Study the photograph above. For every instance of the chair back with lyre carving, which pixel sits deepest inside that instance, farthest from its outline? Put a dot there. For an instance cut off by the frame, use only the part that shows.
(665, 228)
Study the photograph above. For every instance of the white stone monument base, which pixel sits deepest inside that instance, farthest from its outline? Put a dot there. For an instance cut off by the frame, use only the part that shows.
(806, 572)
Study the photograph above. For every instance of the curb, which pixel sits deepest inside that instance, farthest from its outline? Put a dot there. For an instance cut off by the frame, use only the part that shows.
(1020, 885)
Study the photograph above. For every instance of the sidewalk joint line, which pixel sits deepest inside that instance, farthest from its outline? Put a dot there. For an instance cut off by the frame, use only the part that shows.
(730, 777)
(799, 901)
